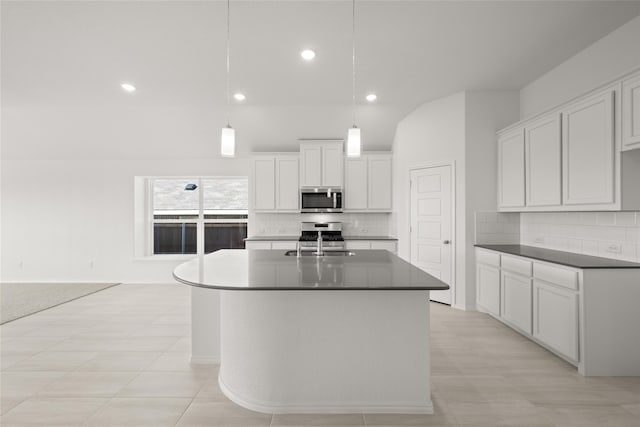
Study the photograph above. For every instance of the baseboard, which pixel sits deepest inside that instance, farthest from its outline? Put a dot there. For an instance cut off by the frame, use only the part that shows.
(201, 360)
(326, 408)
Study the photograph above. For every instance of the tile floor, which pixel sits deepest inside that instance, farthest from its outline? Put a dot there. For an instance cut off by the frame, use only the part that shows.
(120, 358)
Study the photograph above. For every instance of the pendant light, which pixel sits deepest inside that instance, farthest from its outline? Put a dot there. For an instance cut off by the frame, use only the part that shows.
(354, 140)
(228, 135)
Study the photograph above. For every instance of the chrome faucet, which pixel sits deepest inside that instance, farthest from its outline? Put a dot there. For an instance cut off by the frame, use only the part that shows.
(319, 251)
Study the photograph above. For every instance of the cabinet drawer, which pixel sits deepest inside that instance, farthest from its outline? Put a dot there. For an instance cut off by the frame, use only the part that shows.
(488, 258)
(516, 265)
(556, 275)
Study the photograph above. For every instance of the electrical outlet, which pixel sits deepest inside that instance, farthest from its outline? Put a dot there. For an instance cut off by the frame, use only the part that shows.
(21, 264)
(614, 248)
(91, 264)
(364, 231)
(539, 240)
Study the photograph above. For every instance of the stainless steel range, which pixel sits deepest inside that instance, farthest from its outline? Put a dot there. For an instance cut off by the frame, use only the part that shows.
(330, 234)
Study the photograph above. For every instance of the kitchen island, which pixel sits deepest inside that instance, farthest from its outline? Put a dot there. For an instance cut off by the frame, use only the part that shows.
(328, 334)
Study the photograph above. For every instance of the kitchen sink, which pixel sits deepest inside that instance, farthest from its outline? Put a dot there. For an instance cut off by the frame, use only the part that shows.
(315, 254)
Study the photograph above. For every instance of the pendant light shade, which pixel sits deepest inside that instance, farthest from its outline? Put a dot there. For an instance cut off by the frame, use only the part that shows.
(353, 142)
(228, 142)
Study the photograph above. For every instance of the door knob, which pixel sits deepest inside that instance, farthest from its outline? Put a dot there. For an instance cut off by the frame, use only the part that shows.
(446, 242)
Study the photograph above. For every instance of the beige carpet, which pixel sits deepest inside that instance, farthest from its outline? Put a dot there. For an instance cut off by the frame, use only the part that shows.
(22, 299)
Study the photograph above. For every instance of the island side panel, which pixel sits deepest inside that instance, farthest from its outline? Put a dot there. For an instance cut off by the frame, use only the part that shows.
(205, 326)
(326, 351)
(609, 322)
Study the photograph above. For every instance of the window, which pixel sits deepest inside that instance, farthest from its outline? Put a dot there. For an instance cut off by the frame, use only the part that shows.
(191, 215)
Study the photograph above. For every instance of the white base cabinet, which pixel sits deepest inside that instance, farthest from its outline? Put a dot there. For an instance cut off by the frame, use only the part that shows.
(516, 300)
(387, 245)
(275, 244)
(555, 318)
(588, 317)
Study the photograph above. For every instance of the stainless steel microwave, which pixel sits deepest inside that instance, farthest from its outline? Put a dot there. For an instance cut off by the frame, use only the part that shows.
(320, 199)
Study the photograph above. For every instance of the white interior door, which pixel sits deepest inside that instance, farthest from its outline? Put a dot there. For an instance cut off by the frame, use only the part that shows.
(431, 222)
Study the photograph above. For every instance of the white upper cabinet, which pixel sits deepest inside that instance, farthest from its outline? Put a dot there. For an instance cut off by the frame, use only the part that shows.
(355, 183)
(287, 188)
(631, 113)
(321, 163)
(588, 151)
(275, 183)
(511, 170)
(367, 184)
(379, 179)
(264, 183)
(542, 160)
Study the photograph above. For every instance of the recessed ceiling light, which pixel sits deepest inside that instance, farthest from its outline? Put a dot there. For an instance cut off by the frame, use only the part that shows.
(308, 54)
(239, 96)
(372, 97)
(128, 87)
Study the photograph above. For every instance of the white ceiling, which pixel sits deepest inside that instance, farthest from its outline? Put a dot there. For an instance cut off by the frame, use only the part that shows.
(75, 54)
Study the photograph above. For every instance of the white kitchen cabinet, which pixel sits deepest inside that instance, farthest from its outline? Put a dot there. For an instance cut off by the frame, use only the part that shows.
(275, 183)
(271, 244)
(264, 183)
(588, 151)
(631, 113)
(387, 245)
(355, 183)
(543, 162)
(287, 188)
(570, 311)
(257, 244)
(488, 288)
(368, 183)
(321, 163)
(555, 318)
(379, 182)
(516, 300)
(511, 170)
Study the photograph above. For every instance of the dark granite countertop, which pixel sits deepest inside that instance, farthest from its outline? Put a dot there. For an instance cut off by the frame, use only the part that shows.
(569, 259)
(271, 270)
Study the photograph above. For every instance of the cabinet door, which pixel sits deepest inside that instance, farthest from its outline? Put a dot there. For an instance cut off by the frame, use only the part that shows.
(543, 166)
(287, 189)
(264, 190)
(390, 246)
(355, 185)
(555, 318)
(511, 170)
(516, 301)
(257, 245)
(310, 168)
(379, 183)
(357, 244)
(631, 113)
(488, 286)
(332, 164)
(588, 151)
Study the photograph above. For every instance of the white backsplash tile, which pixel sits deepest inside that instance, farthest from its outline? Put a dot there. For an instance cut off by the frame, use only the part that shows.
(288, 224)
(606, 234)
(497, 228)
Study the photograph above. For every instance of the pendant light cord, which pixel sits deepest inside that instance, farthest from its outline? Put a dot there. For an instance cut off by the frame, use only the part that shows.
(353, 60)
(228, 43)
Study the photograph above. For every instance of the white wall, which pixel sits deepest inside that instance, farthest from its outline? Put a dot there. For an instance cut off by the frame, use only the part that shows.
(68, 215)
(457, 129)
(486, 112)
(613, 55)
